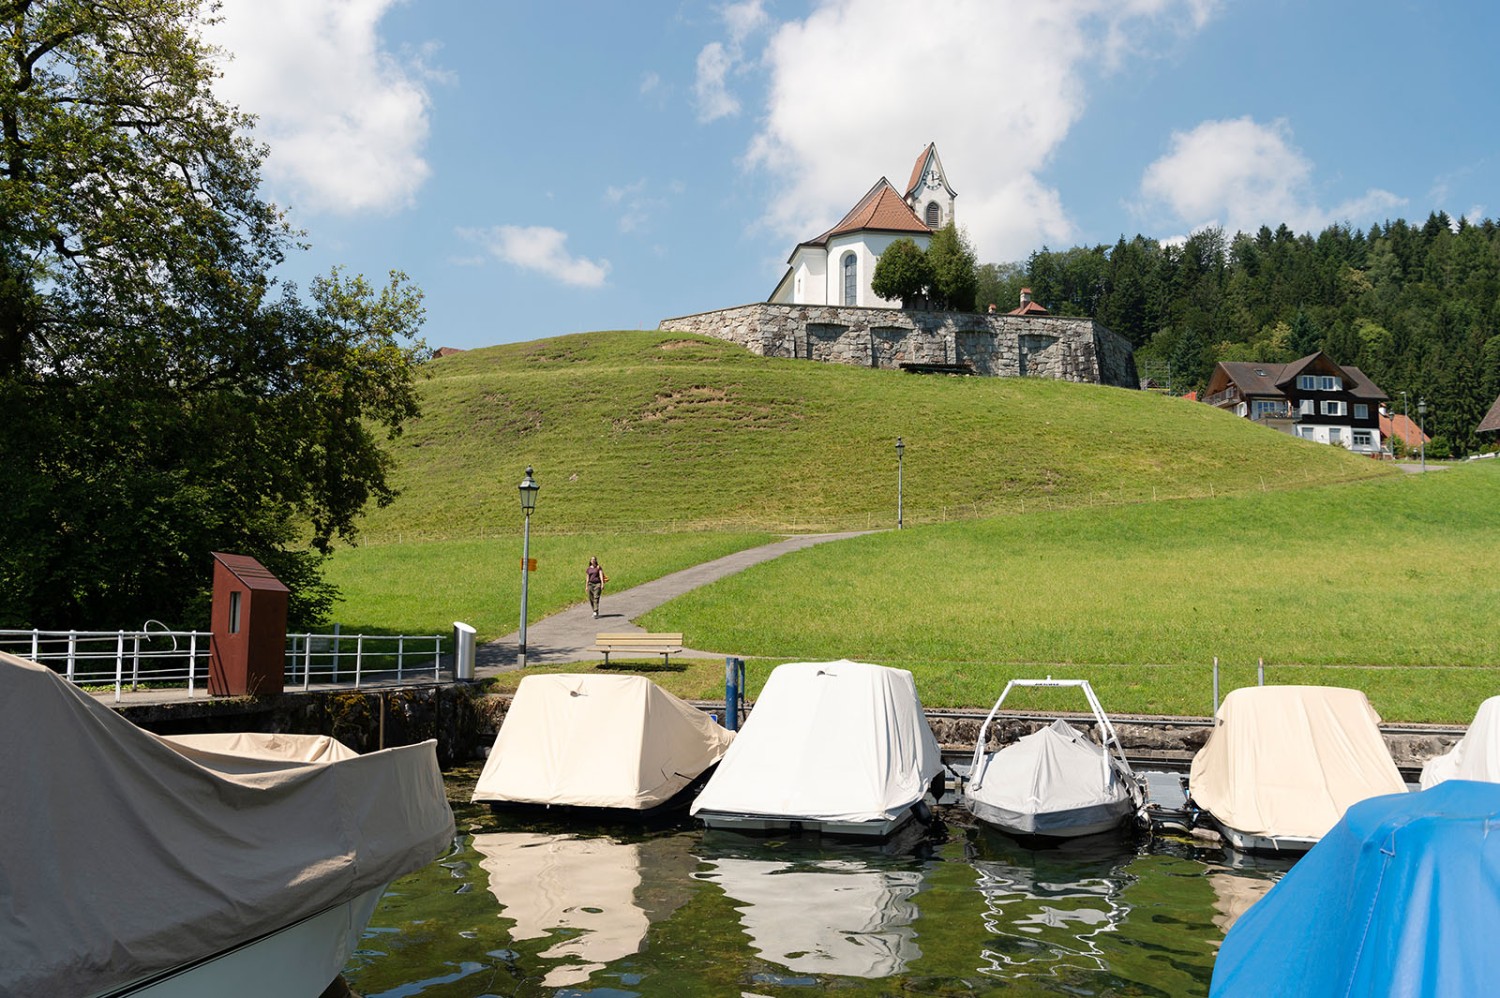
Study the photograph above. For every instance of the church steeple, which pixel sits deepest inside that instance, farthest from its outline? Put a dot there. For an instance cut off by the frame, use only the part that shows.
(928, 193)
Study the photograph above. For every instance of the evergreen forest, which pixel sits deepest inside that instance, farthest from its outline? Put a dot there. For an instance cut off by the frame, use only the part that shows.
(1417, 308)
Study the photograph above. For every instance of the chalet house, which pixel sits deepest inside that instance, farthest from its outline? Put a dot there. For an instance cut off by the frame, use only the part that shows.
(1491, 421)
(1312, 398)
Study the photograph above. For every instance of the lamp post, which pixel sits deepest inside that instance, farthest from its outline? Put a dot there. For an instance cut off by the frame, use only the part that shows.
(529, 490)
(1422, 429)
(900, 449)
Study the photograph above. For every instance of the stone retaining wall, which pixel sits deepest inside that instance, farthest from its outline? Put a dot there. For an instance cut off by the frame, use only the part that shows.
(1067, 349)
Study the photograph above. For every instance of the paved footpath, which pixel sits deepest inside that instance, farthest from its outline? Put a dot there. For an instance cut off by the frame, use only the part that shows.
(566, 636)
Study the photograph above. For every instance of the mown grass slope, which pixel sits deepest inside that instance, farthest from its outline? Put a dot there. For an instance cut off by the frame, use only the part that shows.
(647, 430)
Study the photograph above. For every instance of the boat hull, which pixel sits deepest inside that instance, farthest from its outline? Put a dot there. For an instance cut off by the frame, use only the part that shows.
(1072, 823)
(1263, 845)
(772, 824)
(301, 959)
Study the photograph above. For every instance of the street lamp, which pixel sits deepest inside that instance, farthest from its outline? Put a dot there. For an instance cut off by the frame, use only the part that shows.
(529, 489)
(900, 449)
(1422, 429)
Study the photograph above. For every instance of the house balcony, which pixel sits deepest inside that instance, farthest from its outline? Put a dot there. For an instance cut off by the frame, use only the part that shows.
(1280, 412)
(1225, 399)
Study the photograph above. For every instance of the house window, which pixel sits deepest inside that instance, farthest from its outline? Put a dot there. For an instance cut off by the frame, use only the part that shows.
(851, 279)
(1336, 435)
(1362, 438)
(1361, 411)
(1308, 407)
(1305, 432)
(1307, 382)
(234, 613)
(934, 215)
(1239, 410)
(1268, 407)
(1328, 383)
(1333, 407)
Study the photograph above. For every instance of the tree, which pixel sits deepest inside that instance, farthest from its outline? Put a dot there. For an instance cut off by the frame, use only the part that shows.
(162, 400)
(954, 271)
(902, 273)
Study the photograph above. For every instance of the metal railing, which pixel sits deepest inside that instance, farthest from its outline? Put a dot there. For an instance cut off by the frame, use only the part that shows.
(131, 660)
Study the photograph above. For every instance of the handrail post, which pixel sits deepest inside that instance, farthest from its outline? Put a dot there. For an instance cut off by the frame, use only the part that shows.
(1260, 672)
(359, 659)
(119, 662)
(135, 661)
(72, 653)
(36, 643)
(1216, 686)
(400, 656)
(437, 659)
(192, 660)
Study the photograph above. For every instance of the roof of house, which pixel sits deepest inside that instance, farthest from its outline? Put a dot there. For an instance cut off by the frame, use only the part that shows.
(1398, 425)
(1029, 308)
(881, 208)
(252, 573)
(1491, 422)
(1270, 379)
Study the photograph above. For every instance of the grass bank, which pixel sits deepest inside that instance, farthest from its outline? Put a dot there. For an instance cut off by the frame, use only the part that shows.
(660, 431)
(422, 587)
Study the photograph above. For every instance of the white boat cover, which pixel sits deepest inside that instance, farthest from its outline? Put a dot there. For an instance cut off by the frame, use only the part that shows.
(598, 741)
(1477, 754)
(1289, 760)
(828, 741)
(126, 855)
(1056, 768)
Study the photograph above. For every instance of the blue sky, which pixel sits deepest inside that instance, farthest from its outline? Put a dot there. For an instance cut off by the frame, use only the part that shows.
(541, 168)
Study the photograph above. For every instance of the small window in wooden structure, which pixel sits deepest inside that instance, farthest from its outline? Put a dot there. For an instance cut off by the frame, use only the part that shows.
(234, 613)
(934, 215)
(851, 279)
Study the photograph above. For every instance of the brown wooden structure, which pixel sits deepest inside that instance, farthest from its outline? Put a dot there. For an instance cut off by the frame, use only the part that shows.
(248, 654)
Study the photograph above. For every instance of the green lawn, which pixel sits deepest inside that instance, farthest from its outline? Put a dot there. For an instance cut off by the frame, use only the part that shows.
(660, 431)
(422, 587)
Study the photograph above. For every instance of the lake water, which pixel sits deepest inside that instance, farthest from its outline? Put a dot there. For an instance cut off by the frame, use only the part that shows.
(543, 908)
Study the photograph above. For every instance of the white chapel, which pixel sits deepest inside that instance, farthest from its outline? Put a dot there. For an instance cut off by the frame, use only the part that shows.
(836, 267)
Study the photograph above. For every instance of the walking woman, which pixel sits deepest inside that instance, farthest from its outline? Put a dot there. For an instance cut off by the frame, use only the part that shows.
(594, 580)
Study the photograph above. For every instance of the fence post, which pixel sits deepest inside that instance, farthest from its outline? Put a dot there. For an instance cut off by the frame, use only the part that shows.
(400, 656)
(437, 659)
(135, 662)
(36, 643)
(72, 653)
(119, 662)
(307, 661)
(359, 658)
(1260, 672)
(192, 660)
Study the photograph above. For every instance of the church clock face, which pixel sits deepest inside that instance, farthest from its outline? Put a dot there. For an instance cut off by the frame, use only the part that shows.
(933, 182)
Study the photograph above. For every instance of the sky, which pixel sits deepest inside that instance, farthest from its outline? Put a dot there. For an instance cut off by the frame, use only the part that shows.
(543, 167)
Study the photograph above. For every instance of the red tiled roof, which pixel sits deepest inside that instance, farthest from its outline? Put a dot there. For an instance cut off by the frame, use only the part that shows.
(1030, 308)
(883, 209)
(916, 170)
(1399, 426)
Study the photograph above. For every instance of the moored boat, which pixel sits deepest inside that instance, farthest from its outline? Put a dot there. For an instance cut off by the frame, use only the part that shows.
(1055, 782)
(1477, 754)
(1284, 763)
(225, 865)
(1398, 898)
(620, 745)
(836, 748)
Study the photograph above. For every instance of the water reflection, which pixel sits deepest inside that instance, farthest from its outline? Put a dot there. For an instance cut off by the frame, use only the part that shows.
(845, 915)
(1046, 909)
(595, 896)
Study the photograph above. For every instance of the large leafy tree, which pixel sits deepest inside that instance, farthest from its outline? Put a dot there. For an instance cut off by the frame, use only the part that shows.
(955, 277)
(901, 273)
(161, 397)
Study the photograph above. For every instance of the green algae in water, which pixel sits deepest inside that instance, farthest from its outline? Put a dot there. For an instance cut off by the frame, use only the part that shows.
(521, 909)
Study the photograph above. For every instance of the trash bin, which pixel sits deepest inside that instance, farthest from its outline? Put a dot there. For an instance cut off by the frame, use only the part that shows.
(463, 652)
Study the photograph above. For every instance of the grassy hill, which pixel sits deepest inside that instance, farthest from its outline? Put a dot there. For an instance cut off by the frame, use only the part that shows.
(661, 431)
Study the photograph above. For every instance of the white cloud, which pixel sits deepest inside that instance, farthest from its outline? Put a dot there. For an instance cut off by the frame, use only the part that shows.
(540, 249)
(859, 87)
(718, 60)
(1240, 174)
(346, 122)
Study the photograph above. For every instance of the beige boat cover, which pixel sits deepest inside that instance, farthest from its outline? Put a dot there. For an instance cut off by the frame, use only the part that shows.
(126, 854)
(828, 741)
(598, 741)
(1289, 760)
(1477, 754)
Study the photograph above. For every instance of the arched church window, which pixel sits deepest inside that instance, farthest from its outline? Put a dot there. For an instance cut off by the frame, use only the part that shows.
(851, 279)
(934, 215)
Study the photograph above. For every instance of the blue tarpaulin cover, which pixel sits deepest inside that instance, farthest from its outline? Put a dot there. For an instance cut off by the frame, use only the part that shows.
(1402, 897)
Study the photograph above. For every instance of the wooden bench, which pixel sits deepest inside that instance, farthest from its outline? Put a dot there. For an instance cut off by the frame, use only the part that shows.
(665, 645)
